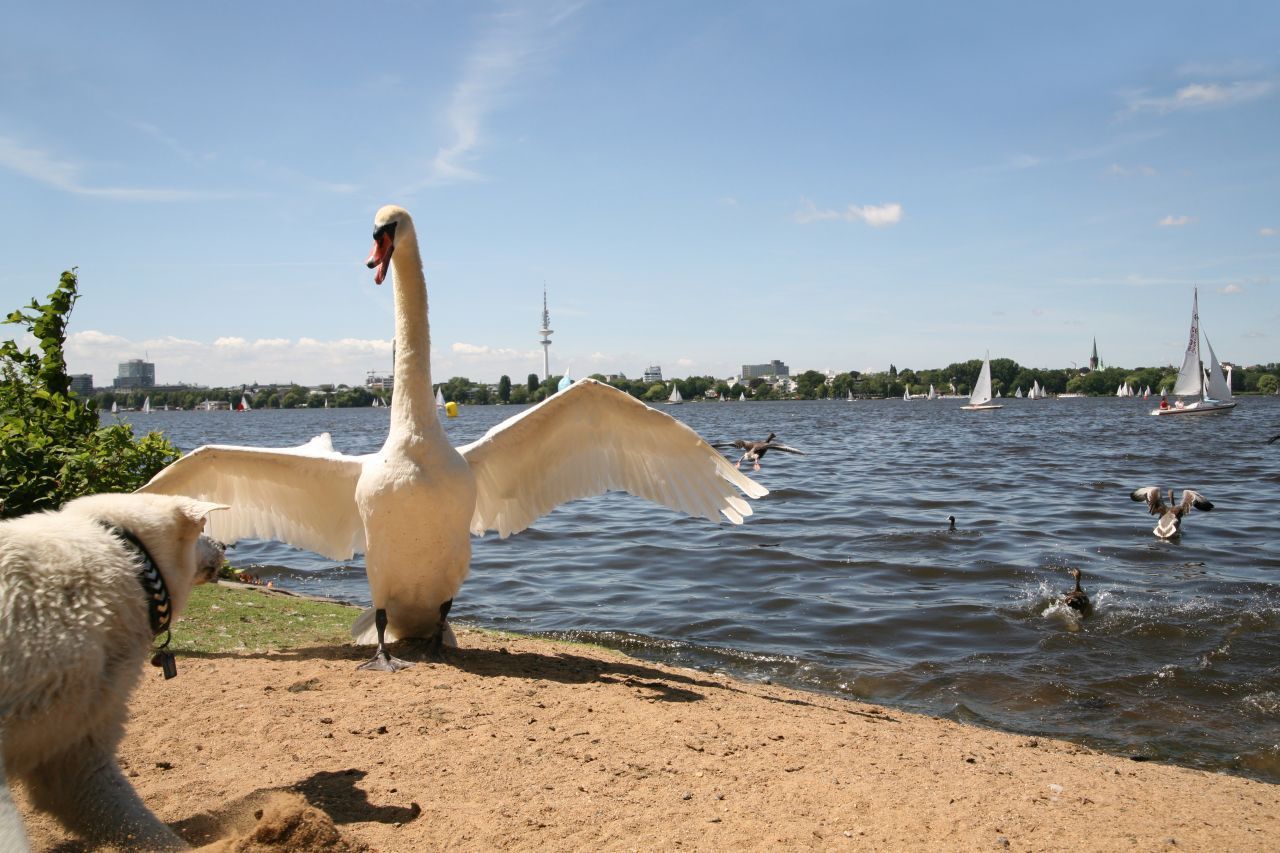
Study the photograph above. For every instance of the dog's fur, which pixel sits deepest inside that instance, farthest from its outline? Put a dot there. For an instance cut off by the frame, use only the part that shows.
(74, 635)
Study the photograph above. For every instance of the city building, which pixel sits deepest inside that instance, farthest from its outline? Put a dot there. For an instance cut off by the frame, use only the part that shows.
(773, 368)
(82, 384)
(375, 381)
(653, 373)
(135, 374)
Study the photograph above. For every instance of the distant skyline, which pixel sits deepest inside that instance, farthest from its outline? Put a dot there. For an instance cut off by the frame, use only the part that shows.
(837, 185)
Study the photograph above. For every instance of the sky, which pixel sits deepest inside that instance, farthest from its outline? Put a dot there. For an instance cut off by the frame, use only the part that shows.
(839, 185)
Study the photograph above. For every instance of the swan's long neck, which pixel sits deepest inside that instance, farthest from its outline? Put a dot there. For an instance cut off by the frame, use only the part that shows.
(413, 411)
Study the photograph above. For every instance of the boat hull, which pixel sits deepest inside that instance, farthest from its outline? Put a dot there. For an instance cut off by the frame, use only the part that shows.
(1195, 409)
(982, 408)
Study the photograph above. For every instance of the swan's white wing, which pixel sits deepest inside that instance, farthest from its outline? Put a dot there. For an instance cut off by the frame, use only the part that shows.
(588, 439)
(303, 496)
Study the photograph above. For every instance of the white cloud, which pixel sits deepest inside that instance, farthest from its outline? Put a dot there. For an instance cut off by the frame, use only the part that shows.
(46, 168)
(1231, 289)
(877, 216)
(1125, 171)
(1268, 232)
(1197, 95)
(1172, 221)
(519, 38)
(230, 360)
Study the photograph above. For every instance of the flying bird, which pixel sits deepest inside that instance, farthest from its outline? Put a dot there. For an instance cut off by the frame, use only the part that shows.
(1170, 523)
(412, 507)
(755, 450)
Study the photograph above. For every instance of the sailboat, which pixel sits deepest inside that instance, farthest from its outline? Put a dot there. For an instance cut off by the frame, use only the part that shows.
(146, 406)
(439, 398)
(906, 393)
(244, 404)
(675, 395)
(980, 399)
(1210, 387)
(933, 395)
(114, 408)
(1017, 393)
(742, 396)
(849, 398)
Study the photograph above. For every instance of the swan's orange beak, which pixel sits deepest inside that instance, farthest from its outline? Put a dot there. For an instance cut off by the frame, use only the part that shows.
(380, 257)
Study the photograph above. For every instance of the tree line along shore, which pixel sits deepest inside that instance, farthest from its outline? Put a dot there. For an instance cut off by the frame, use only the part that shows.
(1006, 377)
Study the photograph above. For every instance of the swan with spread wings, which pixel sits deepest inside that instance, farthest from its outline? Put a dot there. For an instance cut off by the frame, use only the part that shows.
(412, 507)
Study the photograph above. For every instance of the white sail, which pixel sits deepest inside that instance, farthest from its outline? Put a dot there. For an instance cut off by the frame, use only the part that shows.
(114, 407)
(439, 398)
(742, 396)
(1018, 392)
(1190, 382)
(982, 388)
(675, 394)
(906, 394)
(146, 406)
(1218, 388)
(933, 395)
(244, 404)
(850, 397)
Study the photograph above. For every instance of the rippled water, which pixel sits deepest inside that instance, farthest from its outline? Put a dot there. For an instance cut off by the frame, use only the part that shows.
(846, 580)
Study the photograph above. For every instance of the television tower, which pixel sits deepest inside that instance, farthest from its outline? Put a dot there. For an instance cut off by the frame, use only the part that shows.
(546, 337)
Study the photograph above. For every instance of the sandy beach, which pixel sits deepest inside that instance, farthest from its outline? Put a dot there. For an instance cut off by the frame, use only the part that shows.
(519, 743)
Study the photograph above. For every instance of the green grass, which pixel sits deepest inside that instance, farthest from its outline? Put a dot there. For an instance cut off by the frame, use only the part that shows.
(221, 618)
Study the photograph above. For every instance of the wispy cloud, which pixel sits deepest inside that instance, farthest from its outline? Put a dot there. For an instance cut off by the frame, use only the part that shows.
(518, 39)
(1172, 221)
(1232, 289)
(1267, 232)
(875, 215)
(1199, 95)
(46, 168)
(1127, 171)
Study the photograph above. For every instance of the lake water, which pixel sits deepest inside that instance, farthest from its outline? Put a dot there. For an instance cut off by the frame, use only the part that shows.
(847, 581)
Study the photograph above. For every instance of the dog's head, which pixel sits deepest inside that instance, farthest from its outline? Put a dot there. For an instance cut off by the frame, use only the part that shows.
(169, 528)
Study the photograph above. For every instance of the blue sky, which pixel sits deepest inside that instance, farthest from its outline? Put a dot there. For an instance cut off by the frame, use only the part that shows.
(838, 185)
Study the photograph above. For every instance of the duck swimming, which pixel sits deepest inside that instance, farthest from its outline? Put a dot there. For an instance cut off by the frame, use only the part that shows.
(1170, 523)
(412, 507)
(1077, 599)
(755, 450)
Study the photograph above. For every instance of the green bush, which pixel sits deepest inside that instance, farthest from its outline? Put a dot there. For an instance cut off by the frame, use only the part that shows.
(51, 446)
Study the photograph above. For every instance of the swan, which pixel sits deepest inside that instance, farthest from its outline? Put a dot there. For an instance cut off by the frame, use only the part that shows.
(1170, 523)
(755, 450)
(412, 507)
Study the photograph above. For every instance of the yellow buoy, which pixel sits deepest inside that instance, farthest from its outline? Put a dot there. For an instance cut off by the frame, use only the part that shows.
(451, 409)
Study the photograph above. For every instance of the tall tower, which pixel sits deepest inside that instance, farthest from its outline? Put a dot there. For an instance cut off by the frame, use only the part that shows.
(1093, 359)
(546, 337)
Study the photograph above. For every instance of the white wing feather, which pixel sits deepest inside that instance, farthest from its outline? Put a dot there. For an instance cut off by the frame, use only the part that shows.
(303, 496)
(588, 439)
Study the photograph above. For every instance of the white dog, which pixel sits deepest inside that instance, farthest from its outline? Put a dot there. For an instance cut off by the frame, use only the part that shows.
(80, 604)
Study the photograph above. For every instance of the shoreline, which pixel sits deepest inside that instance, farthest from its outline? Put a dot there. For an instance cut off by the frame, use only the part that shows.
(520, 742)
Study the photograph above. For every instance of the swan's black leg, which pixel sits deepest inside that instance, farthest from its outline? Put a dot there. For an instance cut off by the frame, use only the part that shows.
(382, 659)
(437, 647)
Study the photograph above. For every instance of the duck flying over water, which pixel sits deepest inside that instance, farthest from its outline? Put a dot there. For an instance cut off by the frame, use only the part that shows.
(1077, 599)
(755, 450)
(412, 507)
(1170, 523)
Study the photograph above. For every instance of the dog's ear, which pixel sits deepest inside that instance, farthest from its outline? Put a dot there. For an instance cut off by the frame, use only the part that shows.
(197, 510)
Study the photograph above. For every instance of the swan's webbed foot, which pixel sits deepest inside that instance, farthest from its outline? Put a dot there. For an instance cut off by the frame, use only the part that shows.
(382, 661)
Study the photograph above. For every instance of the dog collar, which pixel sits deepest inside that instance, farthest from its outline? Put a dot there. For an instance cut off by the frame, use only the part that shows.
(159, 607)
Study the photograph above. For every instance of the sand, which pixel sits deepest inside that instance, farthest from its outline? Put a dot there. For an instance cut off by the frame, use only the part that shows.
(520, 744)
